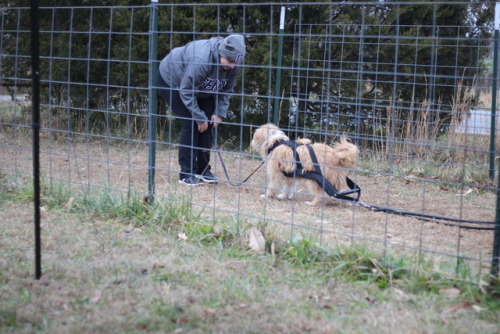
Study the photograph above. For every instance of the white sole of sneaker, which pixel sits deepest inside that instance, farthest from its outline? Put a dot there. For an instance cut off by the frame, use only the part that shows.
(200, 177)
(190, 184)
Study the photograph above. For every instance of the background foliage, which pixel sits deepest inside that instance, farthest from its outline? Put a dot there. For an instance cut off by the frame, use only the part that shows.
(95, 59)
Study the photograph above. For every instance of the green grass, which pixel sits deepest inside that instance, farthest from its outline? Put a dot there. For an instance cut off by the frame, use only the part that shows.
(119, 257)
(176, 216)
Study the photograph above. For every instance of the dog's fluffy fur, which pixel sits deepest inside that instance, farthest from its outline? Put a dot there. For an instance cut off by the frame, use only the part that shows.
(281, 160)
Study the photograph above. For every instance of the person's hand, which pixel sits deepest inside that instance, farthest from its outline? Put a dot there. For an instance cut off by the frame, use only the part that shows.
(203, 127)
(215, 120)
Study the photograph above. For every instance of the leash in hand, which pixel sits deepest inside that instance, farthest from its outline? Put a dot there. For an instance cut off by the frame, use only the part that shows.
(218, 150)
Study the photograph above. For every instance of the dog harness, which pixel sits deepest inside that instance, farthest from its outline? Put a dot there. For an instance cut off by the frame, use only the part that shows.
(316, 175)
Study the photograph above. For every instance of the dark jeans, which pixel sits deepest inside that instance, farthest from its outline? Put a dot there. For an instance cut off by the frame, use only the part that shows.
(194, 146)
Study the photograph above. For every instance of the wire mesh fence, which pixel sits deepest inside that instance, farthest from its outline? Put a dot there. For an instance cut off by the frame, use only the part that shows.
(409, 83)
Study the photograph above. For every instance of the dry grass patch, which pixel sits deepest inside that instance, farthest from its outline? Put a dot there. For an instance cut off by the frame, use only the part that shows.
(104, 272)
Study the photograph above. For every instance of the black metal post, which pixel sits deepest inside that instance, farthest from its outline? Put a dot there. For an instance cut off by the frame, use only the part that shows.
(277, 93)
(495, 262)
(35, 107)
(493, 106)
(153, 46)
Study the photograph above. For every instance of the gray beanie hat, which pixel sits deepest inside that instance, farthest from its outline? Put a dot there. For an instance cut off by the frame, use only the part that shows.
(233, 48)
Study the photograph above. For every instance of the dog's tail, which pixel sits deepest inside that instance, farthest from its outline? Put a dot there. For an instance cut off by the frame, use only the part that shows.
(346, 152)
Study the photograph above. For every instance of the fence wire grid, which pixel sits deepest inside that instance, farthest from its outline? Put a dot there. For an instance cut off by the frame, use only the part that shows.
(411, 84)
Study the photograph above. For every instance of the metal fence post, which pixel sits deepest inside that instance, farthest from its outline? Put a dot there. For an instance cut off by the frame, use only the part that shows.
(495, 256)
(494, 93)
(277, 93)
(35, 69)
(152, 98)
(495, 262)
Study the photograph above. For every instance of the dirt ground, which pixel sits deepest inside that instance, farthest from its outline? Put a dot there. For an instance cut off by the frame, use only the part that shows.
(115, 165)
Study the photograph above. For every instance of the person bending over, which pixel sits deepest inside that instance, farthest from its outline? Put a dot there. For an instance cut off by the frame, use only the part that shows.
(196, 81)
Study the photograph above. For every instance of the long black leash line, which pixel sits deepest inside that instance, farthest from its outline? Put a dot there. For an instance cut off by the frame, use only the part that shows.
(431, 218)
(218, 150)
(355, 189)
(227, 175)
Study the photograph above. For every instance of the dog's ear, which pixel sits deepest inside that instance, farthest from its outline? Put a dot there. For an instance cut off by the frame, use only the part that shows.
(343, 139)
(303, 141)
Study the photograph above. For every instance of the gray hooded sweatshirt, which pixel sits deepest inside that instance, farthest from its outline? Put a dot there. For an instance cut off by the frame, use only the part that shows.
(196, 71)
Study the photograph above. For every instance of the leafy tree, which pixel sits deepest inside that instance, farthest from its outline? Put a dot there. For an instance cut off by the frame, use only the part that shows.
(344, 62)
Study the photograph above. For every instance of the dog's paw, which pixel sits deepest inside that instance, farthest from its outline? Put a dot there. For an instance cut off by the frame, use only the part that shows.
(311, 203)
(281, 196)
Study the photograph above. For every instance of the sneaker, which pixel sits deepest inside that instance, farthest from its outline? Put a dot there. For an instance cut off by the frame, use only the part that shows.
(207, 177)
(191, 181)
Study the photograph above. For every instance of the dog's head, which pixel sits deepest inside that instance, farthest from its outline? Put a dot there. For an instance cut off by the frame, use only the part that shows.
(265, 136)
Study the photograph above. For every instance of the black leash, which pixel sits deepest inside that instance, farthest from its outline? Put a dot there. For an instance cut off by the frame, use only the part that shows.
(432, 218)
(218, 150)
(227, 175)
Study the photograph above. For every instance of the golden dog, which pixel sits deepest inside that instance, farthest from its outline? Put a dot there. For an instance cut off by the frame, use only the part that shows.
(280, 161)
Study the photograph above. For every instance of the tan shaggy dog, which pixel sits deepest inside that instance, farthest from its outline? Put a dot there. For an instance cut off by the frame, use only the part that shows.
(332, 161)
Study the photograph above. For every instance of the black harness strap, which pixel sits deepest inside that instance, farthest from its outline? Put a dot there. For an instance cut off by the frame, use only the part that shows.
(316, 175)
(293, 145)
(314, 159)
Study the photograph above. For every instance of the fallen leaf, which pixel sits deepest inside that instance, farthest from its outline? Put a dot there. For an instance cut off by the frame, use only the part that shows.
(69, 203)
(158, 266)
(399, 294)
(483, 285)
(449, 292)
(210, 312)
(217, 229)
(467, 192)
(96, 297)
(456, 308)
(256, 241)
(477, 308)
(371, 300)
